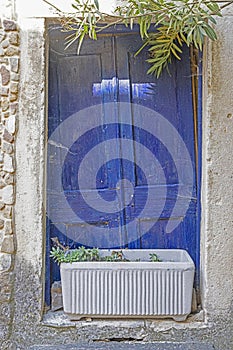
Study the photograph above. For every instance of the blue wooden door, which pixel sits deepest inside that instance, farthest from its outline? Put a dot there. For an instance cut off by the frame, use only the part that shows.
(121, 163)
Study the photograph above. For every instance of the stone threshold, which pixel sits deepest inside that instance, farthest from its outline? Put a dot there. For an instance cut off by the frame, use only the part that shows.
(58, 319)
(127, 345)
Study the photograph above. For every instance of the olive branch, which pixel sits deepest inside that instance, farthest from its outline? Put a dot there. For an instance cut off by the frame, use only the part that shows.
(165, 25)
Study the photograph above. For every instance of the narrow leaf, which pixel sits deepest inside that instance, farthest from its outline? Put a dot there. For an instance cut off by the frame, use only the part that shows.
(175, 53)
(96, 2)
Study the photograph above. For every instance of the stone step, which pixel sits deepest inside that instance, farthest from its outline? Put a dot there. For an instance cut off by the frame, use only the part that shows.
(125, 346)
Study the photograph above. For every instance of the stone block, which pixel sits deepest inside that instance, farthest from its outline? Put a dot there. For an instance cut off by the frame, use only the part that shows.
(14, 76)
(2, 35)
(8, 245)
(5, 43)
(9, 25)
(7, 136)
(7, 147)
(5, 73)
(14, 88)
(14, 65)
(6, 286)
(13, 97)
(8, 227)
(4, 60)
(1, 224)
(8, 163)
(4, 91)
(7, 212)
(9, 179)
(2, 174)
(12, 51)
(2, 233)
(5, 262)
(4, 104)
(4, 296)
(14, 107)
(7, 194)
(14, 38)
(2, 184)
(10, 124)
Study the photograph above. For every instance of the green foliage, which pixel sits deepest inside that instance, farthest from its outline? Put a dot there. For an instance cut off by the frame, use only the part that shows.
(174, 24)
(115, 256)
(85, 254)
(84, 23)
(165, 25)
(81, 254)
(154, 258)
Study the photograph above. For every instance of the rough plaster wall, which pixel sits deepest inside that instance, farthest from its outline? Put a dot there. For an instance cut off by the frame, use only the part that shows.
(31, 157)
(7, 8)
(38, 8)
(9, 82)
(217, 198)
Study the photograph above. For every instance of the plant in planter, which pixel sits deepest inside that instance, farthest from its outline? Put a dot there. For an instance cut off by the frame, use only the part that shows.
(64, 255)
(129, 283)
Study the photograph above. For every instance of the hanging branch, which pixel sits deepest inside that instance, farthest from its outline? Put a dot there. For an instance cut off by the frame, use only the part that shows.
(165, 26)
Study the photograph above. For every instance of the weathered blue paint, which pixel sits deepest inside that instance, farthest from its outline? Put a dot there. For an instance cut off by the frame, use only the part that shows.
(108, 71)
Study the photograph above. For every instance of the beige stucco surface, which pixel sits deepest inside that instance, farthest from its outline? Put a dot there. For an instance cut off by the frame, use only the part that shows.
(217, 223)
(27, 323)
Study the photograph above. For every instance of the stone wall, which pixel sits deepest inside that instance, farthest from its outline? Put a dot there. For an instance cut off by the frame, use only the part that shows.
(9, 85)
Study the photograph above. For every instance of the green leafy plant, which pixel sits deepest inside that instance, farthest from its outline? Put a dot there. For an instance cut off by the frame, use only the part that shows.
(165, 25)
(81, 254)
(115, 256)
(154, 258)
(175, 23)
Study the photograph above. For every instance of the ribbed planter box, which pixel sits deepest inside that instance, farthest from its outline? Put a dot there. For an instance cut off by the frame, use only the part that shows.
(130, 289)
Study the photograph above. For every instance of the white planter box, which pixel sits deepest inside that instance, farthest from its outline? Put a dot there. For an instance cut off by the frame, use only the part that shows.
(130, 289)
